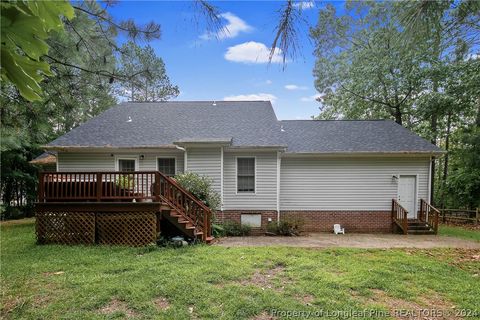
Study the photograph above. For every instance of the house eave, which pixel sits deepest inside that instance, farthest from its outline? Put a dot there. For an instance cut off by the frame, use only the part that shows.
(367, 153)
(107, 148)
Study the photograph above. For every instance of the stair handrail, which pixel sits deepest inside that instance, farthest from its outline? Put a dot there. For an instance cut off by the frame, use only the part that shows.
(426, 210)
(400, 216)
(207, 212)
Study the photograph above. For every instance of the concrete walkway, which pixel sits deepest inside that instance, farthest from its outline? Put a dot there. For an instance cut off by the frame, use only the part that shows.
(367, 241)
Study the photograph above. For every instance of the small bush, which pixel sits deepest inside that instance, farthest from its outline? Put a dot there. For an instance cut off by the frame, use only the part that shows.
(200, 187)
(288, 226)
(235, 229)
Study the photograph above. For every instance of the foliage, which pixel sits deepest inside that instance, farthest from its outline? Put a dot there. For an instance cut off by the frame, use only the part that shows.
(287, 226)
(201, 187)
(145, 75)
(25, 27)
(234, 229)
(65, 278)
(125, 181)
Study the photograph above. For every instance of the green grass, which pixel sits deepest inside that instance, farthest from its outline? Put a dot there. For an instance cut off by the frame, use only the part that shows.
(211, 282)
(459, 232)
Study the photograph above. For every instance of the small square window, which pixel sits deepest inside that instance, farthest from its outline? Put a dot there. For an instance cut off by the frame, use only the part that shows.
(166, 166)
(253, 220)
(126, 165)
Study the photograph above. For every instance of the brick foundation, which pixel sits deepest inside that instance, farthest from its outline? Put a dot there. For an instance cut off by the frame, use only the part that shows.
(321, 221)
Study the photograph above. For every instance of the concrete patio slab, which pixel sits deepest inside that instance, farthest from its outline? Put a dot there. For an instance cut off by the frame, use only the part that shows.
(366, 241)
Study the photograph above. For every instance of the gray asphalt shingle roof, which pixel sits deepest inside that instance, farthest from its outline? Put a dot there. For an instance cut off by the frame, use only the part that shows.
(244, 123)
(330, 136)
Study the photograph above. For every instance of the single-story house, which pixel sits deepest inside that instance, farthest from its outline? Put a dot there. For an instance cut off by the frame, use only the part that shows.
(326, 172)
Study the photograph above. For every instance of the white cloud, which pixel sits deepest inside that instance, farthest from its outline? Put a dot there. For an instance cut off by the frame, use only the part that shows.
(305, 5)
(250, 97)
(268, 82)
(295, 87)
(311, 98)
(472, 56)
(234, 27)
(252, 52)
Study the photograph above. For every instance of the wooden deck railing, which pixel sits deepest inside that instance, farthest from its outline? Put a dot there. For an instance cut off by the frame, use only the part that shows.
(140, 186)
(184, 202)
(400, 216)
(429, 214)
(96, 186)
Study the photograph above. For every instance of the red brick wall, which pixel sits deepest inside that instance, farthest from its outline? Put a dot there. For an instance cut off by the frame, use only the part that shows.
(352, 221)
(321, 221)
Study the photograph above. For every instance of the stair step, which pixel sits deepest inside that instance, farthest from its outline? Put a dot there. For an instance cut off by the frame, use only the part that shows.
(209, 239)
(423, 227)
(429, 231)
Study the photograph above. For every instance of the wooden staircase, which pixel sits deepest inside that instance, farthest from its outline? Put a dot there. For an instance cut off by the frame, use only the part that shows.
(419, 227)
(426, 222)
(182, 209)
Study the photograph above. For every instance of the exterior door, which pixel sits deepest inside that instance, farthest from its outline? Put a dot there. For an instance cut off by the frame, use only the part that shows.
(407, 194)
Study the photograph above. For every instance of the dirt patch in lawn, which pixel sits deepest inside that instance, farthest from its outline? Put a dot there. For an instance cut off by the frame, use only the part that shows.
(161, 303)
(465, 259)
(403, 309)
(264, 316)
(264, 278)
(116, 305)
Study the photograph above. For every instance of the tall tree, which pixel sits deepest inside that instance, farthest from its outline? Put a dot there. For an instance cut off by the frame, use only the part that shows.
(145, 75)
(363, 69)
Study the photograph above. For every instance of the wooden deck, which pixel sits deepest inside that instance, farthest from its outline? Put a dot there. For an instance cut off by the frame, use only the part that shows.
(124, 208)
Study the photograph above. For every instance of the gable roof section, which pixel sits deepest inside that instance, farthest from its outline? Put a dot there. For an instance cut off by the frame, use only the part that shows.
(160, 124)
(352, 136)
(237, 124)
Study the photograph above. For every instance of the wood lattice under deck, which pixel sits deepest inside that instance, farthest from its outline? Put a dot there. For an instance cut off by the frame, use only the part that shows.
(121, 208)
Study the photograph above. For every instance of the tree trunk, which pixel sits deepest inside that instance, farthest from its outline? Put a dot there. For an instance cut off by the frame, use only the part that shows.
(447, 145)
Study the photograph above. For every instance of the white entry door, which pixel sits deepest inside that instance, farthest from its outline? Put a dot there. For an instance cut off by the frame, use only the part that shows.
(407, 194)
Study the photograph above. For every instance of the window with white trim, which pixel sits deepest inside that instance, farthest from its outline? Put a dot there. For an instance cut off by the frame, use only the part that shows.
(126, 165)
(246, 175)
(166, 166)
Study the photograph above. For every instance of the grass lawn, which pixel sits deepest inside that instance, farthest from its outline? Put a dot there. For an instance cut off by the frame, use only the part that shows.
(459, 232)
(212, 282)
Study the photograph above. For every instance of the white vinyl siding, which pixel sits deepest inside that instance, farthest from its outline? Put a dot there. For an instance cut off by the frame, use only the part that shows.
(206, 161)
(69, 161)
(347, 183)
(265, 196)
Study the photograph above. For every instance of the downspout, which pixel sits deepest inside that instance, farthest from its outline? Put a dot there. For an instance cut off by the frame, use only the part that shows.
(184, 157)
(278, 186)
(430, 191)
(221, 179)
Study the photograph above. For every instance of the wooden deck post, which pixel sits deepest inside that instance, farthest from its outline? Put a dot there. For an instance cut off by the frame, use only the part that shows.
(99, 187)
(41, 187)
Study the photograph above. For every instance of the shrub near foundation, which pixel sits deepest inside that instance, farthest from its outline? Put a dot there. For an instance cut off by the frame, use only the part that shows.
(288, 226)
(235, 229)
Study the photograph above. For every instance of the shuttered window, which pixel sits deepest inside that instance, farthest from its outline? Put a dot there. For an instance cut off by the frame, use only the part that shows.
(246, 175)
(166, 166)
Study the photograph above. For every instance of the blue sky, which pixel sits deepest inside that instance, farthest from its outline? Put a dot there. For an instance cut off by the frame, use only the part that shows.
(233, 66)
